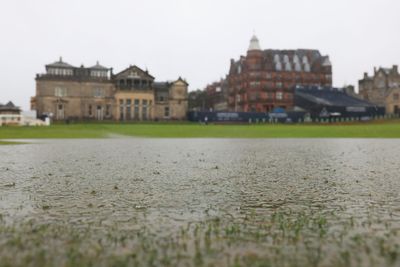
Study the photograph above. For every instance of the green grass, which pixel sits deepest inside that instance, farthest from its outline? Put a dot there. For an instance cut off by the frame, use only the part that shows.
(384, 129)
(9, 143)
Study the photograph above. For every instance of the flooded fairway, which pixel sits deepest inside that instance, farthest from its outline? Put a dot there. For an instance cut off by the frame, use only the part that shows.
(200, 202)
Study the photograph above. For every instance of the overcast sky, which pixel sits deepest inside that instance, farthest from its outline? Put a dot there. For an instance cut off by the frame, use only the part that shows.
(188, 38)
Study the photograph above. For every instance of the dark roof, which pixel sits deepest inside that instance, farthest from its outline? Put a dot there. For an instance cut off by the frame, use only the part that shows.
(386, 70)
(9, 106)
(330, 97)
(161, 85)
(98, 67)
(310, 53)
(60, 64)
(291, 59)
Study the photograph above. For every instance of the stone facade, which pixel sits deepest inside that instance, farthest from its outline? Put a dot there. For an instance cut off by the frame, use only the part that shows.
(382, 88)
(265, 79)
(392, 101)
(171, 100)
(95, 93)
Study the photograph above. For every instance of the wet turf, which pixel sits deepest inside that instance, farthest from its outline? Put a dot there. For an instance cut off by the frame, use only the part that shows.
(200, 202)
(385, 129)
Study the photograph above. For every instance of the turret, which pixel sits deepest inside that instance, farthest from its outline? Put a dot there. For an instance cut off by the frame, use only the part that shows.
(254, 53)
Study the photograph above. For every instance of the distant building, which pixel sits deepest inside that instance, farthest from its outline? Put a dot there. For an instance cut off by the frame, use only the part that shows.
(383, 88)
(217, 96)
(198, 101)
(265, 79)
(66, 92)
(10, 114)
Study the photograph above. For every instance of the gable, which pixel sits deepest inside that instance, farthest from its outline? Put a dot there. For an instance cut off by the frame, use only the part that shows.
(180, 82)
(134, 72)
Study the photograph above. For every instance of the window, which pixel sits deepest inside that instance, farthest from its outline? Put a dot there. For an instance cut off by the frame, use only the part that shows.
(279, 85)
(278, 66)
(136, 113)
(252, 96)
(166, 111)
(128, 112)
(108, 108)
(307, 67)
(254, 84)
(136, 109)
(98, 92)
(279, 95)
(90, 110)
(238, 98)
(144, 112)
(60, 92)
(396, 96)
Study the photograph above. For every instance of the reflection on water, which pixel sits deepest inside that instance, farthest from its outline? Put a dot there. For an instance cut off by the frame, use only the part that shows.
(166, 183)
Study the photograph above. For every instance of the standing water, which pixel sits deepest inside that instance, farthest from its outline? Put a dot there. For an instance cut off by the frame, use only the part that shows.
(200, 202)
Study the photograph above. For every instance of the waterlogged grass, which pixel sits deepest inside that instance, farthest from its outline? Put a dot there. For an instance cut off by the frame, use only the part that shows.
(285, 238)
(385, 129)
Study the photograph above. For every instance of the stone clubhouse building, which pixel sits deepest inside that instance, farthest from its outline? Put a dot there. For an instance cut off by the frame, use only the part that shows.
(66, 92)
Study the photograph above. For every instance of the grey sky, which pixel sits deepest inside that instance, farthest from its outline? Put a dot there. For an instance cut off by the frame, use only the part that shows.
(192, 39)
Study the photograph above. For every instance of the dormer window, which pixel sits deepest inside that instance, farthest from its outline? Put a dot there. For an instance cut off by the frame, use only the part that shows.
(278, 66)
(307, 67)
(288, 66)
(297, 67)
(286, 58)
(98, 73)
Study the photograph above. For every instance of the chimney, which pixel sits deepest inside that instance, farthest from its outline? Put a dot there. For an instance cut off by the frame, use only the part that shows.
(396, 69)
(375, 70)
(365, 75)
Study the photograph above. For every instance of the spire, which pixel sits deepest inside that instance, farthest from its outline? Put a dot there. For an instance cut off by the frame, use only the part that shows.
(254, 44)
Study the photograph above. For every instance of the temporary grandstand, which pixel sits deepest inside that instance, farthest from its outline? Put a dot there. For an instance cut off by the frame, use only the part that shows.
(333, 102)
